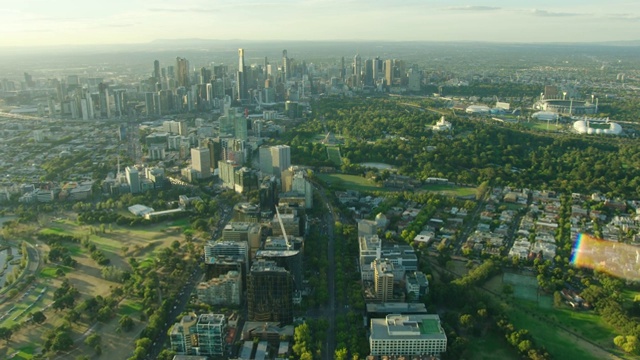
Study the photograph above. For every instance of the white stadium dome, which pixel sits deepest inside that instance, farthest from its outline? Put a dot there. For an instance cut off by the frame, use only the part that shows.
(478, 109)
(582, 127)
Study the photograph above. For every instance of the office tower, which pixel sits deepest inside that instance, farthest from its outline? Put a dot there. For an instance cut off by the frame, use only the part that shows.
(302, 186)
(205, 75)
(226, 171)
(105, 103)
(241, 128)
(119, 100)
(199, 335)
(269, 293)
(264, 67)
(235, 248)
(281, 158)
(242, 77)
(156, 70)
(182, 72)
(368, 72)
(357, 70)
(407, 336)
(133, 179)
(28, 80)
(388, 72)
(343, 70)
(266, 162)
(148, 103)
(377, 68)
(286, 66)
(290, 260)
(201, 162)
(245, 180)
(414, 79)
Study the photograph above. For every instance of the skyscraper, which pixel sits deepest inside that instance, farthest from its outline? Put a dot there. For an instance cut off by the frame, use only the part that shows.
(182, 71)
(105, 100)
(269, 293)
(156, 70)
(388, 72)
(281, 159)
(286, 66)
(201, 161)
(133, 179)
(242, 77)
(357, 69)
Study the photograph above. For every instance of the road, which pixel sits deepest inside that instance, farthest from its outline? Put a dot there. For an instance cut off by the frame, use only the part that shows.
(329, 312)
(184, 295)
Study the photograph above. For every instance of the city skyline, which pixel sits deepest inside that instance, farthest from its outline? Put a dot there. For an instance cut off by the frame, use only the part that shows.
(66, 22)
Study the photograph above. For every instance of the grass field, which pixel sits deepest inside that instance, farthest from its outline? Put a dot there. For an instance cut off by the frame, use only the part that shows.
(585, 323)
(129, 307)
(490, 346)
(350, 182)
(542, 125)
(118, 243)
(540, 318)
(450, 190)
(333, 152)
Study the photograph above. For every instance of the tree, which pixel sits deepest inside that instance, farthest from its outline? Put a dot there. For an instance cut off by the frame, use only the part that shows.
(62, 341)
(38, 317)
(5, 333)
(93, 340)
(557, 299)
(126, 323)
(466, 321)
(341, 354)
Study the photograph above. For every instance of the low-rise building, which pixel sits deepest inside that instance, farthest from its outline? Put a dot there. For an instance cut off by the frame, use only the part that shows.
(407, 335)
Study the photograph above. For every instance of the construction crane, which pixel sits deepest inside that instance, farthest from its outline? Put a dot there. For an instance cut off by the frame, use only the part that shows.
(284, 233)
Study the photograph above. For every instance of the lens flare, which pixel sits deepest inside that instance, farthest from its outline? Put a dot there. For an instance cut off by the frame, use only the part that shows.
(617, 259)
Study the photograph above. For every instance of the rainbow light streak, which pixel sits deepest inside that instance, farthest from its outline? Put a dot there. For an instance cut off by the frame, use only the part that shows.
(617, 259)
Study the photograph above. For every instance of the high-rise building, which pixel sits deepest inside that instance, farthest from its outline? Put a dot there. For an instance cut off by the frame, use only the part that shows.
(383, 280)
(281, 158)
(388, 72)
(149, 105)
(156, 71)
(269, 293)
(201, 162)
(414, 79)
(357, 70)
(286, 66)
(407, 335)
(222, 290)
(226, 171)
(242, 77)
(302, 186)
(199, 335)
(133, 179)
(182, 72)
(368, 73)
(241, 130)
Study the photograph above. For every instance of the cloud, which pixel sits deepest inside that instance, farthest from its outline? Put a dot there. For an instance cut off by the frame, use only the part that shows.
(624, 17)
(545, 13)
(189, 10)
(473, 8)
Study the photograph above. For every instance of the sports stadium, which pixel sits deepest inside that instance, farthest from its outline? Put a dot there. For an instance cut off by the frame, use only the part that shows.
(568, 107)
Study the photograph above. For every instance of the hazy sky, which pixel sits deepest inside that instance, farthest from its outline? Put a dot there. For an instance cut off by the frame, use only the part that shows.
(55, 22)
